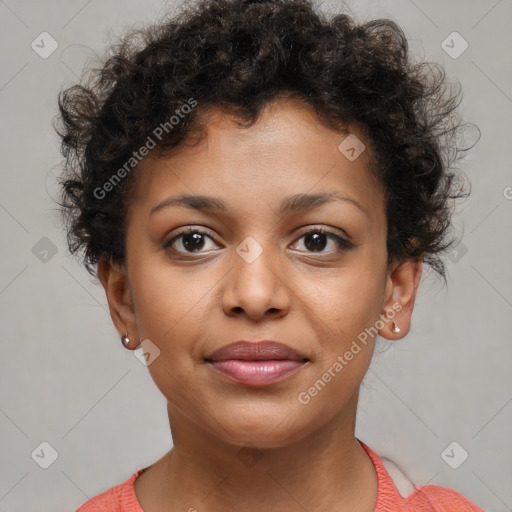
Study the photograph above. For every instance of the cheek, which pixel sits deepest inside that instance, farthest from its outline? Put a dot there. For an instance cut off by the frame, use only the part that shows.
(348, 301)
(348, 307)
(172, 310)
(171, 301)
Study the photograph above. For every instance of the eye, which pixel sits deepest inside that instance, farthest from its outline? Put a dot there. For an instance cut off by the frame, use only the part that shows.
(315, 240)
(191, 240)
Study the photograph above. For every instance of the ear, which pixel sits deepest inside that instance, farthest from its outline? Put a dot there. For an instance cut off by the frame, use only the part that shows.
(120, 301)
(401, 286)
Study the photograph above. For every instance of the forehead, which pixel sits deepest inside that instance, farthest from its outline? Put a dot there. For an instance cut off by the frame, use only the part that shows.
(287, 150)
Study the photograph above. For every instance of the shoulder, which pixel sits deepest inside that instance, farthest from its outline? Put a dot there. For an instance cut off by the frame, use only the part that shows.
(108, 500)
(397, 492)
(440, 499)
(120, 498)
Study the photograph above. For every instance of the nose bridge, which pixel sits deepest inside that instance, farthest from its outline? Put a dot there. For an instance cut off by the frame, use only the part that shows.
(256, 283)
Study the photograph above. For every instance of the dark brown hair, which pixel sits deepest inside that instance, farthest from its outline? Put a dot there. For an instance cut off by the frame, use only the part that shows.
(237, 55)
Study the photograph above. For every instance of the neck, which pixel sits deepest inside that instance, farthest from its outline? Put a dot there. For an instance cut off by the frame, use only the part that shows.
(325, 470)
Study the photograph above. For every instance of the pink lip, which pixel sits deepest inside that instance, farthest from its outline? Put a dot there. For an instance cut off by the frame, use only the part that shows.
(256, 363)
(256, 373)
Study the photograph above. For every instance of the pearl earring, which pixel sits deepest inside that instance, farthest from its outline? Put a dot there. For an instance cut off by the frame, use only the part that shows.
(125, 340)
(394, 328)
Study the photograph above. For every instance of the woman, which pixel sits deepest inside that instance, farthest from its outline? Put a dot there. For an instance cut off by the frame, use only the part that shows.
(257, 188)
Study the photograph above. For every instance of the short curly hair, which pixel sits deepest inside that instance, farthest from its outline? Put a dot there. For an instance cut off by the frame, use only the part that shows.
(237, 56)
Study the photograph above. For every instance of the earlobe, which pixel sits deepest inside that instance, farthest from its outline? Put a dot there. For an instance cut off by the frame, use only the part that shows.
(117, 289)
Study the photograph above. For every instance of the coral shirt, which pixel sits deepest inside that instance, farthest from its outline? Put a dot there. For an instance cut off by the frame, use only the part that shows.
(428, 498)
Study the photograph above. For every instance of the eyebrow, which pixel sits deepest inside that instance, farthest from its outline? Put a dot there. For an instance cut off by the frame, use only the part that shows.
(293, 204)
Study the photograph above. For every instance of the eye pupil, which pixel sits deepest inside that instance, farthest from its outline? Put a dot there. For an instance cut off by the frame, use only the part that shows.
(196, 243)
(318, 241)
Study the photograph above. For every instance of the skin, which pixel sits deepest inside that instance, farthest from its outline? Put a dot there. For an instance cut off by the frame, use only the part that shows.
(315, 300)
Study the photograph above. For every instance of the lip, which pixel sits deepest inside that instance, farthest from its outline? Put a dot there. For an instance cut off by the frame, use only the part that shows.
(260, 363)
(256, 351)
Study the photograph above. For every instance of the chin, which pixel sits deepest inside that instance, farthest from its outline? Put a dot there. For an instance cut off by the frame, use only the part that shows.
(260, 433)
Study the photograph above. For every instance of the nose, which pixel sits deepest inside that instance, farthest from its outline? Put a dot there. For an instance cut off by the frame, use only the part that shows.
(256, 289)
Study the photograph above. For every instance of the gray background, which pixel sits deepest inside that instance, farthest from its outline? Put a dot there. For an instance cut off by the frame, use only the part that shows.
(67, 380)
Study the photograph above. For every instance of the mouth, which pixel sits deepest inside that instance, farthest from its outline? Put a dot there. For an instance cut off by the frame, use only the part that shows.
(256, 363)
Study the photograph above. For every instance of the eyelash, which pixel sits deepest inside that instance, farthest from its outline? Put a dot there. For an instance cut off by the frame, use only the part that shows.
(342, 242)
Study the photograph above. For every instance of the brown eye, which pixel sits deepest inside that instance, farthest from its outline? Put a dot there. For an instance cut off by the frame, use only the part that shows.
(316, 240)
(188, 241)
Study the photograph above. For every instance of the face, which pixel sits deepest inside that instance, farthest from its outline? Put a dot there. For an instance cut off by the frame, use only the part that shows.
(269, 265)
